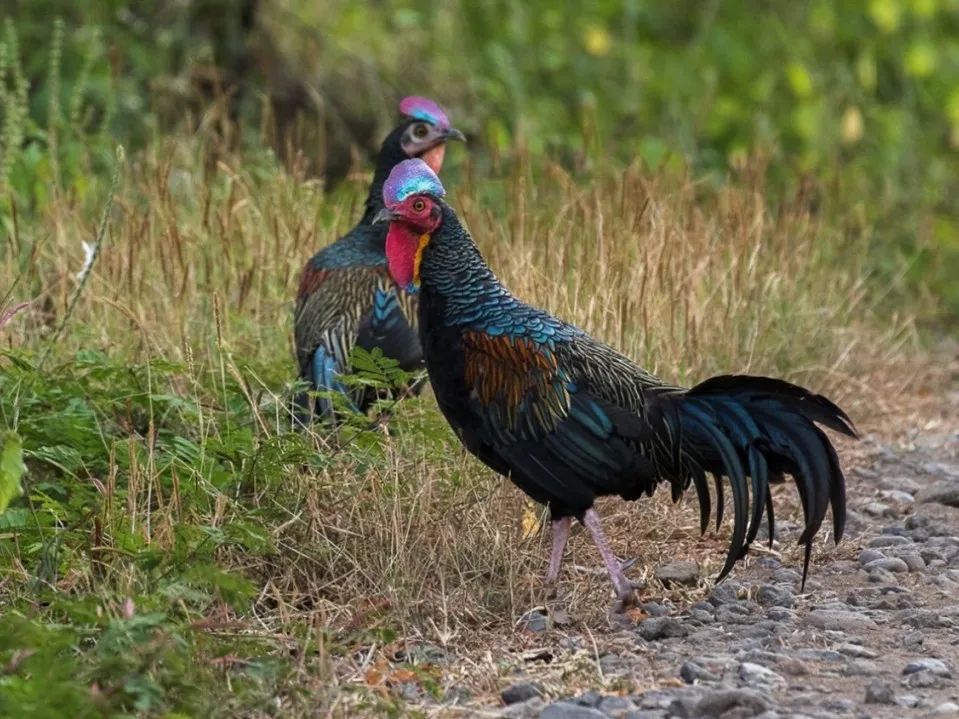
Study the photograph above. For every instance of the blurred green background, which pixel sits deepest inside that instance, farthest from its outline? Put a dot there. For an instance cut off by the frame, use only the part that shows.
(855, 102)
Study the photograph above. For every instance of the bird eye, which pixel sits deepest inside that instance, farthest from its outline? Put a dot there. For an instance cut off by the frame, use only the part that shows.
(419, 206)
(420, 130)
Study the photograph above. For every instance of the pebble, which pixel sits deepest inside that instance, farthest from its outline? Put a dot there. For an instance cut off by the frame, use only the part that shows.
(879, 692)
(897, 495)
(724, 594)
(870, 555)
(943, 492)
(662, 628)
(947, 709)
(910, 701)
(843, 621)
(878, 509)
(781, 614)
(568, 710)
(857, 650)
(655, 609)
(771, 595)
(758, 675)
(691, 672)
(934, 666)
(914, 561)
(678, 573)
(889, 540)
(889, 564)
(533, 621)
(716, 703)
(616, 707)
(521, 692)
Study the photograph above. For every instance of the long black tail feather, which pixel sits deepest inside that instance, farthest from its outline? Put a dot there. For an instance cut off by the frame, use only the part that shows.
(739, 426)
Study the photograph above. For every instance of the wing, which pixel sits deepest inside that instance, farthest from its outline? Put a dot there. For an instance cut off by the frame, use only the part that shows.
(391, 325)
(564, 439)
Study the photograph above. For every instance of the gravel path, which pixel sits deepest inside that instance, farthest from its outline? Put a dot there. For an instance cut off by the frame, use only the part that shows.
(876, 633)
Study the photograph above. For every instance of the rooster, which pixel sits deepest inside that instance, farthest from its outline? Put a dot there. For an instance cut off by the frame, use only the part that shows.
(346, 297)
(569, 419)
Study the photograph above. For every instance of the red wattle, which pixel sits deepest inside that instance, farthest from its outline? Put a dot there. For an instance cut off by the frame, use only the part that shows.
(402, 244)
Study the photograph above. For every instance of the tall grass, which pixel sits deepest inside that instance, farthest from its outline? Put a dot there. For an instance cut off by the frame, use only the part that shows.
(180, 549)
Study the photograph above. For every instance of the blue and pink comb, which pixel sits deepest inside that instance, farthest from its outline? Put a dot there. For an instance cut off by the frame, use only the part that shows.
(411, 177)
(422, 108)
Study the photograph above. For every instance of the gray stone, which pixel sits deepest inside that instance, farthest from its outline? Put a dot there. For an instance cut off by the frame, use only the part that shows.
(522, 710)
(724, 594)
(897, 495)
(771, 595)
(878, 509)
(934, 666)
(521, 692)
(900, 484)
(678, 573)
(922, 680)
(879, 692)
(860, 668)
(943, 492)
(661, 628)
(758, 675)
(914, 561)
(786, 576)
(889, 564)
(655, 609)
(568, 710)
(857, 650)
(616, 707)
(947, 709)
(781, 614)
(533, 621)
(840, 620)
(691, 672)
(910, 701)
(870, 555)
(716, 703)
(888, 540)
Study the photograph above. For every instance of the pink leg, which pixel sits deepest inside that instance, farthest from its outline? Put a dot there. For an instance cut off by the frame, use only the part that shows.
(560, 535)
(624, 590)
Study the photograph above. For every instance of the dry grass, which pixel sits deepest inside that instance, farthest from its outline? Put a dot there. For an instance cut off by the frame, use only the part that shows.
(382, 543)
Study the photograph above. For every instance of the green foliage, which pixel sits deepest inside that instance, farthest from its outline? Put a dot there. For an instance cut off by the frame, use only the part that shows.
(12, 468)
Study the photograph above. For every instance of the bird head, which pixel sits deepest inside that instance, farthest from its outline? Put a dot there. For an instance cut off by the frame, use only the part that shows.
(426, 131)
(414, 208)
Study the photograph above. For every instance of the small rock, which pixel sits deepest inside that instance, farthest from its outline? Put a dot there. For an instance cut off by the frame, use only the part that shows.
(870, 555)
(897, 495)
(910, 701)
(655, 609)
(521, 692)
(616, 707)
(568, 710)
(661, 628)
(914, 561)
(716, 703)
(922, 680)
(781, 614)
(878, 692)
(679, 572)
(860, 668)
(840, 706)
(691, 672)
(888, 540)
(947, 709)
(878, 509)
(771, 595)
(724, 594)
(759, 675)
(943, 492)
(889, 564)
(934, 666)
(701, 616)
(877, 575)
(900, 484)
(786, 576)
(912, 639)
(857, 650)
(839, 620)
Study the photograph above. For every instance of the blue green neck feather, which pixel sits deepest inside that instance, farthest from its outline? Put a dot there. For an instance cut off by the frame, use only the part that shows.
(453, 269)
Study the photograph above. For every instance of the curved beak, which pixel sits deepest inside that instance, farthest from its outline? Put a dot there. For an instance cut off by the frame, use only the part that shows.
(454, 134)
(384, 215)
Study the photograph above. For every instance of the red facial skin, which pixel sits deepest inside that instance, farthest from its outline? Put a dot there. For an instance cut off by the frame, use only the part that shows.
(434, 157)
(415, 219)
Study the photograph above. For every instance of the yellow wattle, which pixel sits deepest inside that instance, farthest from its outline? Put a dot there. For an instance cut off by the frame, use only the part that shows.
(418, 257)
